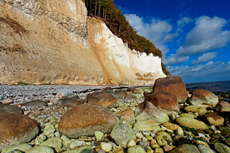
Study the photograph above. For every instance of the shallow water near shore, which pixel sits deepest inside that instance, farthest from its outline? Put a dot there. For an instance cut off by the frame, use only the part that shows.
(220, 86)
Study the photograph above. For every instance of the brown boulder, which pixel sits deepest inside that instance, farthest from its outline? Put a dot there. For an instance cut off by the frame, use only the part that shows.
(214, 119)
(172, 84)
(16, 128)
(163, 100)
(85, 119)
(223, 106)
(203, 97)
(101, 98)
(127, 116)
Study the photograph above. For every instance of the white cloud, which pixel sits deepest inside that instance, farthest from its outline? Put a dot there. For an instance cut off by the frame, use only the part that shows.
(204, 58)
(181, 23)
(157, 31)
(205, 36)
(210, 71)
(175, 60)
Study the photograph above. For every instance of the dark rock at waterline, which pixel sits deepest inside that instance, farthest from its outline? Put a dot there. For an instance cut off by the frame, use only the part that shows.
(35, 104)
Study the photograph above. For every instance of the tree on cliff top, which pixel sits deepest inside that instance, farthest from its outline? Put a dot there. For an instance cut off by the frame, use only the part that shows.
(107, 11)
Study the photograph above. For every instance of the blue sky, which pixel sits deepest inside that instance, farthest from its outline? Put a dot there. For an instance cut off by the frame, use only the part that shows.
(193, 35)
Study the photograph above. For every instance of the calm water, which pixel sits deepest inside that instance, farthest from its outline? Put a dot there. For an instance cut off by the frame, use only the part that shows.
(221, 86)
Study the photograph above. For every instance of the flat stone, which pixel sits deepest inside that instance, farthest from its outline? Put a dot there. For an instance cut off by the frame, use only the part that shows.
(41, 149)
(191, 123)
(49, 129)
(223, 106)
(171, 126)
(214, 119)
(77, 143)
(81, 149)
(22, 147)
(35, 103)
(136, 149)
(148, 125)
(7, 101)
(66, 141)
(201, 110)
(205, 149)
(189, 115)
(10, 108)
(185, 148)
(127, 116)
(71, 101)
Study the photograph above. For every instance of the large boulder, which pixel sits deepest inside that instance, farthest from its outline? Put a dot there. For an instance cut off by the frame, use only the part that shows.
(148, 111)
(163, 100)
(16, 128)
(101, 98)
(85, 119)
(172, 84)
(203, 97)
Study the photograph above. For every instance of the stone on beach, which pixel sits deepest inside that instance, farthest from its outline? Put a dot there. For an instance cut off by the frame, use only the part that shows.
(16, 128)
(191, 123)
(121, 134)
(10, 108)
(185, 148)
(147, 111)
(148, 125)
(172, 84)
(101, 98)
(85, 119)
(214, 119)
(203, 97)
(163, 100)
(127, 116)
(35, 103)
(71, 101)
(223, 106)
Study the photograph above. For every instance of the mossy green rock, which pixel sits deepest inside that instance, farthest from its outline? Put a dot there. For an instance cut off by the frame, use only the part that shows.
(21, 147)
(49, 129)
(54, 143)
(41, 149)
(136, 149)
(221, 148)
(187, 115)
(148, 125)
(82, 149)
(121, 134)
(185, 148)
(191, 123)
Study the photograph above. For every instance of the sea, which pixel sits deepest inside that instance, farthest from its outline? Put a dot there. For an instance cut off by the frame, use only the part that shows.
(218, 87)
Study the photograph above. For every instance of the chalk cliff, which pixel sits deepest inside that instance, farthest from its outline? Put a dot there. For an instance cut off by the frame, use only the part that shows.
(54, 41)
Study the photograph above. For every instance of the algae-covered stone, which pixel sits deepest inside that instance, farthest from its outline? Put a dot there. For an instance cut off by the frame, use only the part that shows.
(221, 148)
(201, 110)
(187, 115)
(99, 135)
(22, 147)
(106, 146)
(171, 126)
(136, 149)
(161, 141)
(49, 129)
(159, 150)
(77, 143)
(205, 149)
(148, 125)
(82, 149)
(54, 143)
(40, 139)
(121, 134)
(185, 148)
(41, 149)
(66, 141)
(191, 123)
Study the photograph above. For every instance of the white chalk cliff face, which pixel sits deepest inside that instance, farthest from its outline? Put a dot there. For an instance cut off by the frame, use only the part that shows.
(54, 41)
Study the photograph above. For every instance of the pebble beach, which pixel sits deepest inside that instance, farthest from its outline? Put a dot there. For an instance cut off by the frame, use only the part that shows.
(108, 119)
